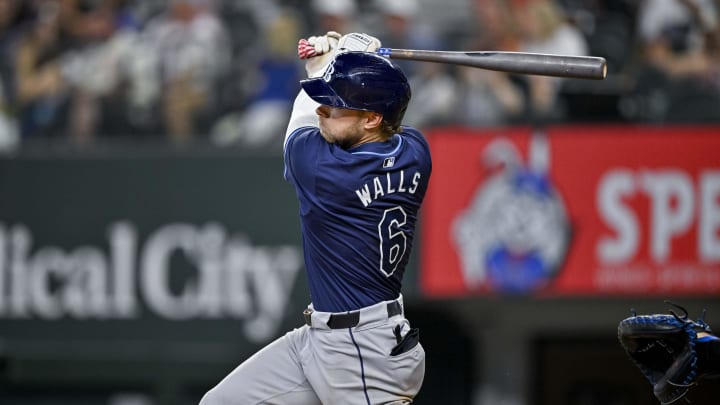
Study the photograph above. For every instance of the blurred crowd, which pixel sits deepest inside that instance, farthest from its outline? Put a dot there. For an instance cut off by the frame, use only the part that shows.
(226, 71)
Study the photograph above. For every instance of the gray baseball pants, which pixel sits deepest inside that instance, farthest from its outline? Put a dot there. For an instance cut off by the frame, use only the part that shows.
(322, 365)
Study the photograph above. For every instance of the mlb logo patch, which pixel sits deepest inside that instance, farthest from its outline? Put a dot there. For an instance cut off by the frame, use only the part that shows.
(389, 162)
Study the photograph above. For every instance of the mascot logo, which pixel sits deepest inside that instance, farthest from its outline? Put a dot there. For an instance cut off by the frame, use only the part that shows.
(513, 236)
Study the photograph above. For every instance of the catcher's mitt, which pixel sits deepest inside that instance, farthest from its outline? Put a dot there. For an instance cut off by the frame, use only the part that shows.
(664, 348)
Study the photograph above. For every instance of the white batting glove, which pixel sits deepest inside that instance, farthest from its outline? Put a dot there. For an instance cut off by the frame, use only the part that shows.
(318, 51)
(318, 45)
(358, 41)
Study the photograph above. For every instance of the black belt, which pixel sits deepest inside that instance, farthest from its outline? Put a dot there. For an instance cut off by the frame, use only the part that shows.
(351, 319)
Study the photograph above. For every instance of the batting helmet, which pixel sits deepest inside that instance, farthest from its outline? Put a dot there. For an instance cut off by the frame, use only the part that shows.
(362, 81)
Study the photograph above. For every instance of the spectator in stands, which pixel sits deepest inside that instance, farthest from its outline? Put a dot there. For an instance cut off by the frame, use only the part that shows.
(489, 98)
(10, 20)
(544, 28)
(334, 15)
(272, 79)
(87, 22)
(433, 85)
(186, 51)
(400, 26)
(42, 94)
(99, 43)
(678, 79)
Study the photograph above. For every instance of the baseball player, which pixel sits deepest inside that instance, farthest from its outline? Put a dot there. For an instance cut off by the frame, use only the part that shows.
(360, 179)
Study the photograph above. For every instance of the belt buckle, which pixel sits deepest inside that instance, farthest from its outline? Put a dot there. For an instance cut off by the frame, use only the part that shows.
(307, 314)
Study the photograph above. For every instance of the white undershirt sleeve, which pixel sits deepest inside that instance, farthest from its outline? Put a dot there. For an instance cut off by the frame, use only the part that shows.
(303, 114)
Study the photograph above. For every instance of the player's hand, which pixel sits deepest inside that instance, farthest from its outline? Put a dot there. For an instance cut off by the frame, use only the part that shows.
(318, 45)
(318, 51)
(358, 41)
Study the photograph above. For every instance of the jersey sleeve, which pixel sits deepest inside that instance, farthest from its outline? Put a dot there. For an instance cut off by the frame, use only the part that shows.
(302, 148)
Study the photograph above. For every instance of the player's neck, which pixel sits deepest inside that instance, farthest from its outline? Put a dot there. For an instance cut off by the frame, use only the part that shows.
(372, 137)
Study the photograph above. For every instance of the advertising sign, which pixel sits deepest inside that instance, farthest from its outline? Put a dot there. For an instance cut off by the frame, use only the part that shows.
(153, 245)
(573, 210)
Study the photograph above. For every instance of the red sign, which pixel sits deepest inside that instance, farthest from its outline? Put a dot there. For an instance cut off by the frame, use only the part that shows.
(573, 210)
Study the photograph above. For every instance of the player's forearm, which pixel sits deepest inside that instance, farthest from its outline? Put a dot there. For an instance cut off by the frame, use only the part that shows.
(317, 51)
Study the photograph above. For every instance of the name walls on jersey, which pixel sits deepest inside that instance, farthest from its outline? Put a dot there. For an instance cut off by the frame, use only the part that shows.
(225, 276)
(641, 206)
(392, 182)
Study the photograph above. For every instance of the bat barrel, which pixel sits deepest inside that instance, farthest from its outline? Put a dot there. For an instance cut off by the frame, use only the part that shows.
(580, 67)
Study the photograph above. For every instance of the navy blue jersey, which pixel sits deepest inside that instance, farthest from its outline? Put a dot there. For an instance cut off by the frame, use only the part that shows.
(358, 209)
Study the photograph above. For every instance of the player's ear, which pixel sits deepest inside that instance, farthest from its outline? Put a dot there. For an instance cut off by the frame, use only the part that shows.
(374, 120)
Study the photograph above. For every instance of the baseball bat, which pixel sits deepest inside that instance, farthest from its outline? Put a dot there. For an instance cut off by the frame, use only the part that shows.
(579, 67)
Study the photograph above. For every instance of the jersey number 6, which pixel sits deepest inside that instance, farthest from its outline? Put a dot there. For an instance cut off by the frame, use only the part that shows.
(393, 241)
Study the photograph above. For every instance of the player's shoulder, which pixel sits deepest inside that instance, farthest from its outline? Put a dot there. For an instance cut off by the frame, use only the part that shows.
(303, 135)
(410, 131)
(414, 136)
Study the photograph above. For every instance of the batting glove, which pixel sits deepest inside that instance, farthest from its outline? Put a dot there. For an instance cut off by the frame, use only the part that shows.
(318, 51)
(318, 45)
(357, 41)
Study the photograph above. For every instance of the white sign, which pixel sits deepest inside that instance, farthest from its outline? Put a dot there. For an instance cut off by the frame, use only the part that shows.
(232, 277)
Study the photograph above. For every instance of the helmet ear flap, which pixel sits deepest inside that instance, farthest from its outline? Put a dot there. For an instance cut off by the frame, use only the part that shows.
(363, 81)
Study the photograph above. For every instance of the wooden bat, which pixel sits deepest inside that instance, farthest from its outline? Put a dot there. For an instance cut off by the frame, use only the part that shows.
(579, 67)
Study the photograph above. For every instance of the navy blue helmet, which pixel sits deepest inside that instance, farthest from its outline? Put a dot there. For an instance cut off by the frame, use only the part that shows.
(362, 81)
